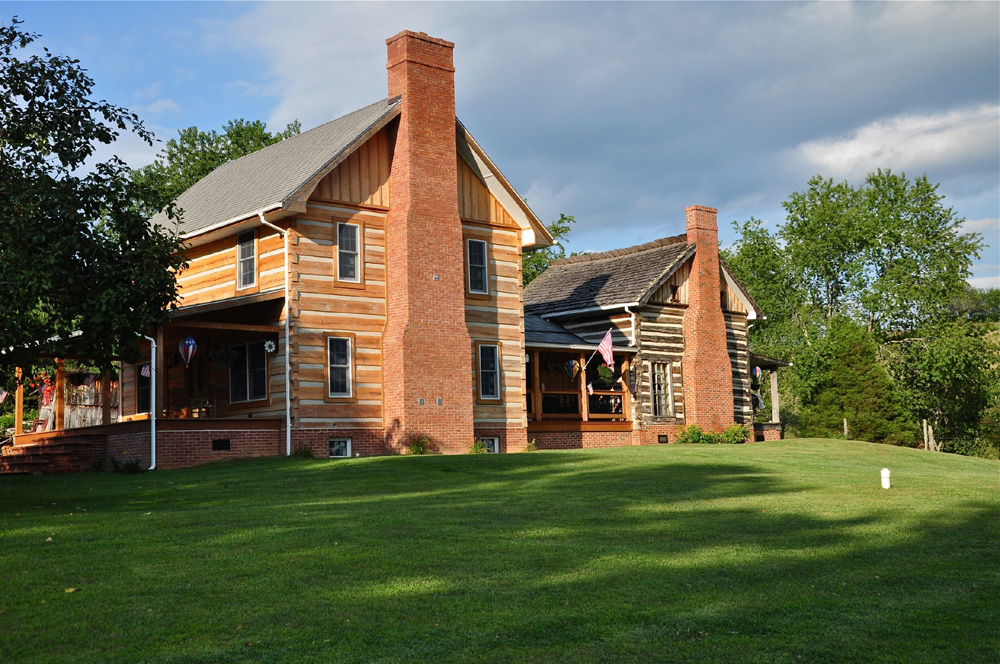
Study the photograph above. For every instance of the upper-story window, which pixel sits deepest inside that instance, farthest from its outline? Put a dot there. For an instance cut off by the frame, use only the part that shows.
(475, 256)
(246, 260)
(348, 252)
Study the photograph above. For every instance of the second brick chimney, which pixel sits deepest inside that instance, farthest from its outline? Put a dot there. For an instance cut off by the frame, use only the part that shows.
(426, 348)
(708, 373)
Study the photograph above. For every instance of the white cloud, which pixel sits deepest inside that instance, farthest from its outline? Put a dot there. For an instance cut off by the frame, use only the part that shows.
(985, 282)
(909, 142)
(160, 107)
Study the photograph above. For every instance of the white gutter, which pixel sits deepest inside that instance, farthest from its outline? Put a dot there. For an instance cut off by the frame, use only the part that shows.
(152, 401)
(288, 344)
(631, 341)
(231, 220)
(603, 307)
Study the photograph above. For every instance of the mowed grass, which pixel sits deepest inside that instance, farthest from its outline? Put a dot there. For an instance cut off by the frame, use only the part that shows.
(772, 552)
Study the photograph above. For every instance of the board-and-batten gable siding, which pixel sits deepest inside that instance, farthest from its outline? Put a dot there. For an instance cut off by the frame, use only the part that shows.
(731, 302)
(362, 178)
(739, 355)
(660, 339)
(676, 284)
(496, 318)
(322, 308)
(211, 272)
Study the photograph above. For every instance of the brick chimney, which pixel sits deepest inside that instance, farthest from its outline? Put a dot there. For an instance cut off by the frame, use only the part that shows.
(708, 373)
(426, 348)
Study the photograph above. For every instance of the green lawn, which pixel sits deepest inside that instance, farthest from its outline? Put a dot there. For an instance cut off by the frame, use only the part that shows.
(772, 552)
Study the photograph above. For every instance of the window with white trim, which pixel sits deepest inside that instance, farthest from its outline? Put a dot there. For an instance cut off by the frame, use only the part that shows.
(248, 373)
(142, 388)
(492, 444)
(489, 372)
(246, 260)
(475, 258)
(348, 252)
(340, 448)
(661, 388)
(339, 359)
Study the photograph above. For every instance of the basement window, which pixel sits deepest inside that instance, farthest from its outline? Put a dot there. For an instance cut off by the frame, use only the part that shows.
(492, 444)
(340, 448)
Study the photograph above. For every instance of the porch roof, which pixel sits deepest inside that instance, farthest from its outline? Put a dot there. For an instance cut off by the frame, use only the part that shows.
(542, 333)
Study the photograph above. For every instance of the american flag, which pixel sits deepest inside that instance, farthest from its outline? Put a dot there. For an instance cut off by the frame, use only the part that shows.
(144, 371)
(604, 348)
(3, 394)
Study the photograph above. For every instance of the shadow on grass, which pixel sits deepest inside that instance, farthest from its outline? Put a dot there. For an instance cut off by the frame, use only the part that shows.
(546, 557)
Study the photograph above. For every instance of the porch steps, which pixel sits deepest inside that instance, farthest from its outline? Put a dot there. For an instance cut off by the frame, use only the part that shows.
(74, 455)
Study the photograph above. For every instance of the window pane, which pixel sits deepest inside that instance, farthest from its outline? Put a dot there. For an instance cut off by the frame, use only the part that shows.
(238, 375)
(347, 252)
(477, 267)
(257, 367)
(340, 367)
(246, 267)
(488, 373)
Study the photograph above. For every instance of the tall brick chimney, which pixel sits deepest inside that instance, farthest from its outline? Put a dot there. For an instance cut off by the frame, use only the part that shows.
(426, 348)
(708, 373)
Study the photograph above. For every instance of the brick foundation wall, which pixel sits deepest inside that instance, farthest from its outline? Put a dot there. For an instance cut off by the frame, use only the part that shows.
(364, 442)
(574, 440)
(511, 439)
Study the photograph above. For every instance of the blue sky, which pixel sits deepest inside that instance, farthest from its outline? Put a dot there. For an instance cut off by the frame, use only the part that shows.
(620, 114)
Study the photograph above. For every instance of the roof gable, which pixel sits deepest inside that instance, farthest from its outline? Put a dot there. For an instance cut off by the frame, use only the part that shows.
(280, 176)
(607, 279)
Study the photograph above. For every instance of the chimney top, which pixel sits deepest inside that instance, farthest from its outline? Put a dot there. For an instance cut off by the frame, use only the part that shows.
(700, 218)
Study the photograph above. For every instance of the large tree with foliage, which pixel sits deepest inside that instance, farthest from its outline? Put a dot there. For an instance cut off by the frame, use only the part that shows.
(81, 269)
(536, 261)
(888, 257)
(196, 153)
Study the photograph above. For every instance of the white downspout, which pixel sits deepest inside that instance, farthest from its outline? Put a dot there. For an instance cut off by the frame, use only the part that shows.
(288, 341)
(631, 341)
(152, 401)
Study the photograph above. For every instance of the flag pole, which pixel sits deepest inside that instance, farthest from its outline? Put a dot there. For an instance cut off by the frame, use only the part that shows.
(596, 350)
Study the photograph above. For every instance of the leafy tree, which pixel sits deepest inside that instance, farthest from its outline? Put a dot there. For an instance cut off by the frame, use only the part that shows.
(976, 305)
(195, 153)
(839, 377)
(81, 270)
(536, 261)
(948, 375)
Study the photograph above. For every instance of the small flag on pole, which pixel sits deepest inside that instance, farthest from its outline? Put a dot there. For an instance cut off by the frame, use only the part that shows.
(604, 348)
(144, 371)
(590, 388)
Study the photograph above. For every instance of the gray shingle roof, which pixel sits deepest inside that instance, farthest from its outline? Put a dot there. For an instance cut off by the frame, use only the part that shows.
(538, 331)
(604, 279)
(275, 174)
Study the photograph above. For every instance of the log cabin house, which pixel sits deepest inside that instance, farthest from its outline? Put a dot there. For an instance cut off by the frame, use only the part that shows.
(358, 286)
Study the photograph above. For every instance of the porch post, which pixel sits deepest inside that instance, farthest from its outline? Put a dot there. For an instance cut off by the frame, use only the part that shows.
(161, 369)
(584, 400)
(106, 397)
(536, 394)
(774, 395)
(19, 404)
(60, 402)
(626, 390)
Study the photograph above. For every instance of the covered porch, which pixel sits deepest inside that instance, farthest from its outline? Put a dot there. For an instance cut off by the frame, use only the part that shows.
(771, 430)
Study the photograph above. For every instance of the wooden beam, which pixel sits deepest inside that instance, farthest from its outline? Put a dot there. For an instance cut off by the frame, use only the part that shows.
(242, 327)
(19, 404)
(536, 393)
(774, 395)
(584, 397)
(626, 390)
(60, 401)
(106, 397)
(161, 370)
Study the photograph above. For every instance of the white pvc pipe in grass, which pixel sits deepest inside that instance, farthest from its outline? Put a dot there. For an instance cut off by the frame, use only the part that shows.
(885, 478)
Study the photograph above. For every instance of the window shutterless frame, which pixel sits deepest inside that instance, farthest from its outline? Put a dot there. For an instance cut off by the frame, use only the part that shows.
(492, 444)
(246, 260)
(340, 367)
(340, 448)
(477, 267)
(248, 373)
(350, 258)
(488, 361)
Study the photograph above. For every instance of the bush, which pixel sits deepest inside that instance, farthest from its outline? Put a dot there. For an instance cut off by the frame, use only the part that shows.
(420, 446)
(737, 434)
(478, 447)
(128, 466)
(531, 446)
(303, 452)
